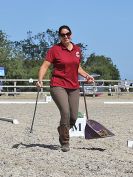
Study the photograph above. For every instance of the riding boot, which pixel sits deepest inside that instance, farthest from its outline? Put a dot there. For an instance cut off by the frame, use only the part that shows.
(64, 137)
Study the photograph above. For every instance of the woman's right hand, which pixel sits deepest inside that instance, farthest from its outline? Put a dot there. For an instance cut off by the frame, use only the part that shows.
(39, 84)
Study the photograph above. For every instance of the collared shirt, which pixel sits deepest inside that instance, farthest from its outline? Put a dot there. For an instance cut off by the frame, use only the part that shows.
(65, 66)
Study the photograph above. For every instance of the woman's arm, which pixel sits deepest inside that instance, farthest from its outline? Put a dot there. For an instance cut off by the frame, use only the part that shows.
(42, 72)
(83, 73)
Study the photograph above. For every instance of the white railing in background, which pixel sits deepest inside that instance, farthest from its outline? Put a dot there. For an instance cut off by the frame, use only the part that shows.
(18, 86)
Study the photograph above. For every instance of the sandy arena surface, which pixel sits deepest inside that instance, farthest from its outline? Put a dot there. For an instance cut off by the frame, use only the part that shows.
(38, 154)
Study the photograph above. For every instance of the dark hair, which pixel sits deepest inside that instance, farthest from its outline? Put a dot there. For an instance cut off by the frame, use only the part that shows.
(64, 27)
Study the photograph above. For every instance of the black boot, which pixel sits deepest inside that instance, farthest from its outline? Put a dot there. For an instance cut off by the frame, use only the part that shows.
(64, 137)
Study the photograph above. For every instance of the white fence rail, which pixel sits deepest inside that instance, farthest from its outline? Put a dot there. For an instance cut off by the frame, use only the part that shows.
(18, 86)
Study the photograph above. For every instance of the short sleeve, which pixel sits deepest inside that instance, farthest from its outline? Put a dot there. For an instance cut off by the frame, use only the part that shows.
(50, 55)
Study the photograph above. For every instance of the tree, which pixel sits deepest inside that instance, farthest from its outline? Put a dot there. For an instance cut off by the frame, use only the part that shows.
(34, 49)
(102, 65)
(83, 48)
(22, 59)
(15, 68)
(4, 49)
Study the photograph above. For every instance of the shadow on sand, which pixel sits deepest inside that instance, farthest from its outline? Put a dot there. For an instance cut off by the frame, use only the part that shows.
(51, 147)
(92, 149)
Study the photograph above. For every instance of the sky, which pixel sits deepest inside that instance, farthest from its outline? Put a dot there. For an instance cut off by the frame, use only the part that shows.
(105, 26)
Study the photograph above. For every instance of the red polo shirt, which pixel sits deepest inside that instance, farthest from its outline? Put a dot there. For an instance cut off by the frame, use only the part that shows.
(65, 66)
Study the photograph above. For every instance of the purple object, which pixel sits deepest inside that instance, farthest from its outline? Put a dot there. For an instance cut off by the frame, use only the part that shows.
(94, 130)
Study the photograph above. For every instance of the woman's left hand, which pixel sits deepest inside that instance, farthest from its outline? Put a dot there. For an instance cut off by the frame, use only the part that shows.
(90, 79)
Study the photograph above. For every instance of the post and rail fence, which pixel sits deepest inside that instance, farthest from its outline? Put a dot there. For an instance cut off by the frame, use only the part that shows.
(25, 86)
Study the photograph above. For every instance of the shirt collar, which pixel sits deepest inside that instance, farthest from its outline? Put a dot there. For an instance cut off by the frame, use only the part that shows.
(63, 47)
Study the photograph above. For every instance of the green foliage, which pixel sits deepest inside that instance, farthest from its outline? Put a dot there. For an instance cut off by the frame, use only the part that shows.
(4, 49)
(22, 59)
(83, 48)
(15, 69)
(35, 47)
(103, 66)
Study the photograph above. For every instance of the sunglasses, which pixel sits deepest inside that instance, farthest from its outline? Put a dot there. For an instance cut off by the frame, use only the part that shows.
(65, 34)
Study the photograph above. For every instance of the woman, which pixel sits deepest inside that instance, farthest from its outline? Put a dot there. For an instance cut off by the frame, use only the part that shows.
(64, 86)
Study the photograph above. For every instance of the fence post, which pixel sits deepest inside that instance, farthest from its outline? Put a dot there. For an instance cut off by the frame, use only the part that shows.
(94, 89)
(15, 83)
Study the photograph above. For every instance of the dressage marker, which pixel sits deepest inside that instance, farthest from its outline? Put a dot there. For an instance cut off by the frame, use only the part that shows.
(130, 143)
(79, 128)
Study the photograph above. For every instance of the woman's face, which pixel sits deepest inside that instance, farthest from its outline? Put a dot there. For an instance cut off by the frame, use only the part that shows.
(65, 36)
